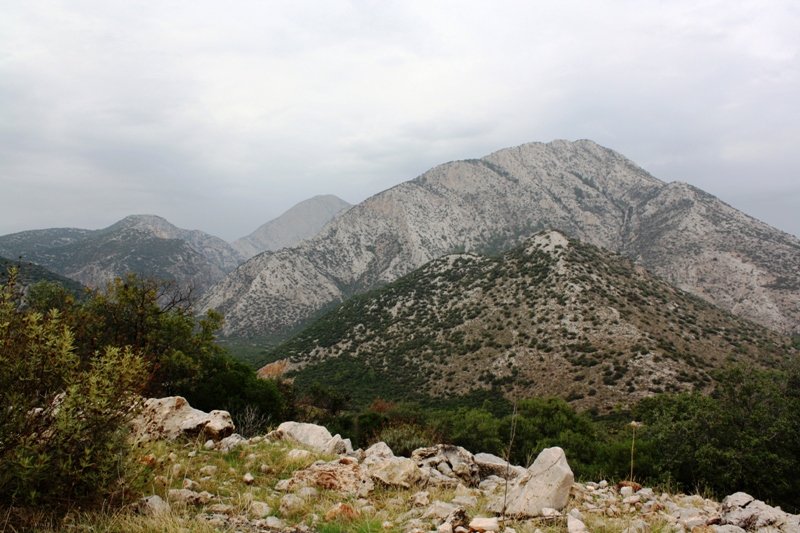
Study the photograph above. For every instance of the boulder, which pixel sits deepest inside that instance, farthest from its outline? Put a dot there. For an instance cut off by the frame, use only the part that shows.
(315, 437)
(377, 453)
(547, 483)
(344, 476)
(745, 512)
(453, 462)
(231, 442)
(481, 524)
(152, 506)
(396, 472)
(173, 417)
(491, 465)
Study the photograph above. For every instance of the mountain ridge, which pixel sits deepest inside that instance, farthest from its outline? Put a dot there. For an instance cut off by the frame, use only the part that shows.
(490, 204)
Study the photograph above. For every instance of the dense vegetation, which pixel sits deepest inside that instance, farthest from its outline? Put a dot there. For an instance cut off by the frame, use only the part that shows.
(553, 317)
(71, 372)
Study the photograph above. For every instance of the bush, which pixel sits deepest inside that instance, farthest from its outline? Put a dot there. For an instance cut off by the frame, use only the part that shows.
(62, 420)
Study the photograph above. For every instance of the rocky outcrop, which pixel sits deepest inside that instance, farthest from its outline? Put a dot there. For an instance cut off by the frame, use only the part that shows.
(343, 475)
(445, 464)
(173, 417)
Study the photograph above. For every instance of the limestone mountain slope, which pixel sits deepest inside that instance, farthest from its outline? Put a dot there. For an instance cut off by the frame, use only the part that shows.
(691, 238)
(300, 222)
(144, 244)
(552, 317)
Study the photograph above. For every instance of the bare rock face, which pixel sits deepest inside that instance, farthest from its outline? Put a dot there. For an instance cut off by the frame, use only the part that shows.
(743, 511)
(546, 485)
(173, 417)
(588, 192)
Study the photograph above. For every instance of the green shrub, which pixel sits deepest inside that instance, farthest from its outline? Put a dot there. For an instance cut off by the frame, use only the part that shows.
(63, 420)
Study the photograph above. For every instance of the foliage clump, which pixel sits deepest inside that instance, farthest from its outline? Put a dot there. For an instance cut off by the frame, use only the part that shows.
(62, 421)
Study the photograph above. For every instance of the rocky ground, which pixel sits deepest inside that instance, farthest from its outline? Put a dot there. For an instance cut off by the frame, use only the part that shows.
(301, 478)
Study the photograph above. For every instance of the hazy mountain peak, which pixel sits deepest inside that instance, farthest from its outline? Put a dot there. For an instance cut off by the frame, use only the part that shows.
(301, 221)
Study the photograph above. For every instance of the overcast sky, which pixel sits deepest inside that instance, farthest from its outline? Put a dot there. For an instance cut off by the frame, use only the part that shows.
(220, 116)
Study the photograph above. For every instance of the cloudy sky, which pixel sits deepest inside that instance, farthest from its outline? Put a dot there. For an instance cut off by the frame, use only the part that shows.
(219, 116)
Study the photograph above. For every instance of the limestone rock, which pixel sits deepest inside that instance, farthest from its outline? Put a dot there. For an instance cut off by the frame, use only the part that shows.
(575, 525)
(451, 461)
(481, 524)
(546, 484)
(491, 465)
(344, 476)
(173, 417)
(342, 512)
(315, 437)
(259, 509)
(152, 505)
(396, 472)
(290, 504)
(230, 442)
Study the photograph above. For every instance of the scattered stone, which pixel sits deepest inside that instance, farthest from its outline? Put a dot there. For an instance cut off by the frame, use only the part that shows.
(176, 469)
(481, 524)
(229, 443)
(396, 472)
(451, 461)
(635, 487)
(248, 478)
(343, 475)
(421, 499)
(210, 444)
(259, 509)
(547, 483)
(273, 522)
(465, 501)
(439, 510)
(173, 417)
(189, 497)
(308, 493)
(491, 465)
(209, 470)
(191, 485)
(342, 512)
(297, 455)
(291, 504)
(221, 508)
(575, 525)
(152, 506)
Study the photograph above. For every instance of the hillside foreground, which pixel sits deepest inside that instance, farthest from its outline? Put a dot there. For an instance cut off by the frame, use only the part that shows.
(299, 478)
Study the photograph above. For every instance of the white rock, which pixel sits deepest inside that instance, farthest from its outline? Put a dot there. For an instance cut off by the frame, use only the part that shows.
(290, 504)
(152, 505)
(421, 499)
(297, 455)
(308, 493)
(210, 444)
(547, 483)
(465, 501)
(311, 435)
(248, 478)
(482, 524)
(574, 525)
(172, 417)
(230, 442)
(259, 509)
(274, 522)
(396, 472)
(439, 510)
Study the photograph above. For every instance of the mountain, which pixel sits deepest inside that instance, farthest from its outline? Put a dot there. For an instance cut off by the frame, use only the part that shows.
(144, 244)
(552, 317)
(300, 222)
(689, 237)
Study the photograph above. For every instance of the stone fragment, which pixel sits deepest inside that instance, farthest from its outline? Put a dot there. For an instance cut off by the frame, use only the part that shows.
(343, 513)
(173, 417)
(189, 497)
(209, 470)
(421, 499)
(482, 524)
(575, 525)
(438, 511)
(465, 501)
(396, 472)
(273, 522)
(298, 456)
(453, 459)
(308, 493)
(210, 444)
(221, 508)
(191, 485)
(338, 446)
(547, 483)
(492, 465)
(152, 506)
(230, 442)
(344, 475)
(259, 509)
(248, 478)
(291, 504)
(315, 437)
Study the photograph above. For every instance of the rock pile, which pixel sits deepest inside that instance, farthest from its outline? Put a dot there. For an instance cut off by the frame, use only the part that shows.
(543, 494)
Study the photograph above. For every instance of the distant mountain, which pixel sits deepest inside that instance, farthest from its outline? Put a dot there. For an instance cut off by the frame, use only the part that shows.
(302, 221)
(145, 244)
(677, 231)
(552, 317)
